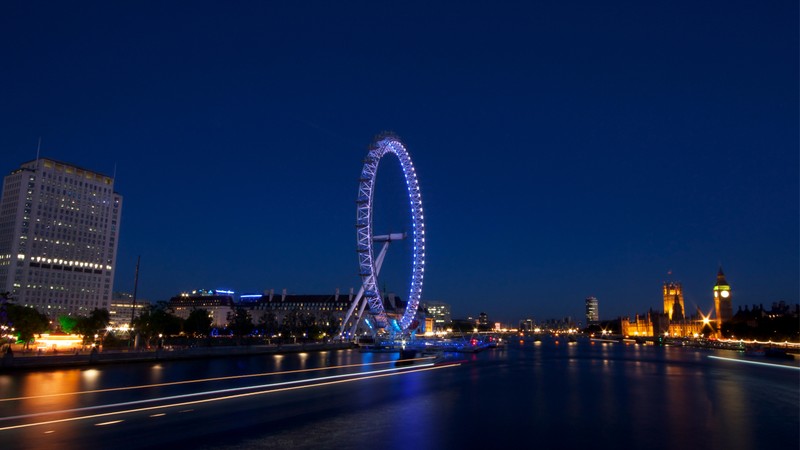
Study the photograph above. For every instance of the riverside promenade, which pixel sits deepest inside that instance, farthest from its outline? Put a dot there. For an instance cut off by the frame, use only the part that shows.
(33, 360)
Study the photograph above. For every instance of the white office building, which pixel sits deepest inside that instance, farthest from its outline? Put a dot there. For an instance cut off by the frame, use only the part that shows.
(59, 229)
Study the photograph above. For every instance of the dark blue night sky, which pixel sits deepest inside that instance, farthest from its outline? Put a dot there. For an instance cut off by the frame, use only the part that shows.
(564, 149)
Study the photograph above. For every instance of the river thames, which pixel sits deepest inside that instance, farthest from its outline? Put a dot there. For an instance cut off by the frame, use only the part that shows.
(549, 394)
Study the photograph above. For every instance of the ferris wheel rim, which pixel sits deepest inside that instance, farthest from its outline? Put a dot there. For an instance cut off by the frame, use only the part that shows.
(389, 143)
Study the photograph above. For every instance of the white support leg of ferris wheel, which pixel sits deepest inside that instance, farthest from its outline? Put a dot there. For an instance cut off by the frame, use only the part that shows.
(347, 316)
(386, 239)
(360, 315)
(360, 297)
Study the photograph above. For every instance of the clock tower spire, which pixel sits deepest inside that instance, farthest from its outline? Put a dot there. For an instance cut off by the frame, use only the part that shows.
(722, 299)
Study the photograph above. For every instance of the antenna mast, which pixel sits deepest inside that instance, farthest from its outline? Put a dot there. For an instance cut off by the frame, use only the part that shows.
(135, 287)
(38, 148)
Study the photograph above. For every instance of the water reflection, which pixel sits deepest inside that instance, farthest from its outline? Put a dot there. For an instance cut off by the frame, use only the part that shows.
(91, 379)
(40, 384)
(302, 358)
(576, 395)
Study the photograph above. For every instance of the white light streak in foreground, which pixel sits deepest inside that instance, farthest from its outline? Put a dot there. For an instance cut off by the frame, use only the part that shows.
(198, 394)
(216, 399)
(206, 380)
(744, 361)
(108, 423)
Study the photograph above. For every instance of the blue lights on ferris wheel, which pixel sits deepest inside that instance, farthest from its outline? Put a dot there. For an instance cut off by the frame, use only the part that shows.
(382, 146)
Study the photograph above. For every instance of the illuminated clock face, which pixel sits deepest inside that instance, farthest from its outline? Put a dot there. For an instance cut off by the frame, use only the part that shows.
(716, 293)
(724, 294)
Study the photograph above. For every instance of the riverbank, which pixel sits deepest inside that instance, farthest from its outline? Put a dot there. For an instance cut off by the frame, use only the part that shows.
(36, 361)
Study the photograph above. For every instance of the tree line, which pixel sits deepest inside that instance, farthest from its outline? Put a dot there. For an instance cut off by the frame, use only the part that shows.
(158, 322)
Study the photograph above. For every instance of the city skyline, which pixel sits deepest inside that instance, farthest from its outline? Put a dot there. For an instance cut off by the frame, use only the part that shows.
(562, 152)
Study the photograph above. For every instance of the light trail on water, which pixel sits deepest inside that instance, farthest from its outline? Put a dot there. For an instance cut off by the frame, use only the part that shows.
(214, 392)
(206, 380)
(361, 377)
(757, 363)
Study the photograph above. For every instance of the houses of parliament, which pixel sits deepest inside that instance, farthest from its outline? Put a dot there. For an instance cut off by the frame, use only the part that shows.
(675, 321)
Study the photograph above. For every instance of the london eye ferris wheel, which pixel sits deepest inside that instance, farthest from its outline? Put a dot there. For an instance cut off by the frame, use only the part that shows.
(369, 264)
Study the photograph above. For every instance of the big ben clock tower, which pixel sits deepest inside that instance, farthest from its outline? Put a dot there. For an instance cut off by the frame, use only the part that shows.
(722, 299)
